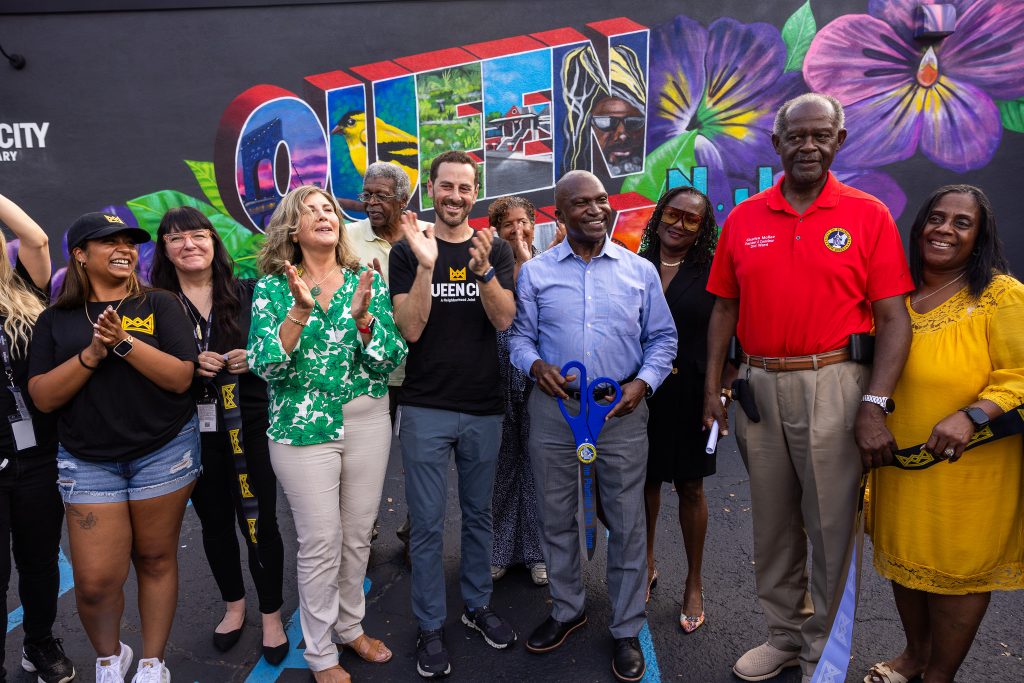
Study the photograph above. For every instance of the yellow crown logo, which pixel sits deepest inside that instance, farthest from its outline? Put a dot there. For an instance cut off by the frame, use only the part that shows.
(113, 219)
(130, 324)
(456, 275)
(252, 528)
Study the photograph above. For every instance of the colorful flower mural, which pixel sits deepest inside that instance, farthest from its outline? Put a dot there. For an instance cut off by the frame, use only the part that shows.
(903, 94)
(717, 89)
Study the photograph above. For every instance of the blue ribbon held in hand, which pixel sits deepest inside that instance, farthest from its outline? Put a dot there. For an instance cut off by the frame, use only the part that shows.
(586, 426)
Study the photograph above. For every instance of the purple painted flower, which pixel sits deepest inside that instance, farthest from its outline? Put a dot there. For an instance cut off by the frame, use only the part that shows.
(725, 81)
(901, 94)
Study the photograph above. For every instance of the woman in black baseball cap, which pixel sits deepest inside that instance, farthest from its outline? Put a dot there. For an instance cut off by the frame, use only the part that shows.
(115, 360)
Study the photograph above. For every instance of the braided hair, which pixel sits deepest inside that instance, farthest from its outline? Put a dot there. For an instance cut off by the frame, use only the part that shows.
(707, 234)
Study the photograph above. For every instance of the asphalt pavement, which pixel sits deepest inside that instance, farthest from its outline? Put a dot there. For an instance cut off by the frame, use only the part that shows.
(734, 619)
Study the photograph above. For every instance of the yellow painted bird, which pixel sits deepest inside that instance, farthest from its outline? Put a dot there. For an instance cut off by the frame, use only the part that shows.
(393, 145)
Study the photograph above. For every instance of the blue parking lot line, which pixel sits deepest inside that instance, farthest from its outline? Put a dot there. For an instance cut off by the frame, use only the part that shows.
(263, 672)
(653, 673)
(67, 582)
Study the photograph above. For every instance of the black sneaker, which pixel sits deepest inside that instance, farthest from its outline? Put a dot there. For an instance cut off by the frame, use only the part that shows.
(496, 631)
(47, 660)
(432, 655)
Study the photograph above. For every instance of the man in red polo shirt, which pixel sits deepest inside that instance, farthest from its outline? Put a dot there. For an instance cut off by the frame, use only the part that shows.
(799, 268)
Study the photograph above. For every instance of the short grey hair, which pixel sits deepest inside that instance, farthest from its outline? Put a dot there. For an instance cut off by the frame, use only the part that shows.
(838, 115)
(384, 169)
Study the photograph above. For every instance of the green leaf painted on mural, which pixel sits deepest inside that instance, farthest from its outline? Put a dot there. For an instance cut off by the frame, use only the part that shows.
(678, 153)
(203, 171)
(242, 243)
(797, 34)
(1012, 114)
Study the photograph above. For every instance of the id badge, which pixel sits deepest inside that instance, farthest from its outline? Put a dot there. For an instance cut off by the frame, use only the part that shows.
(24, 434)
(207, 411)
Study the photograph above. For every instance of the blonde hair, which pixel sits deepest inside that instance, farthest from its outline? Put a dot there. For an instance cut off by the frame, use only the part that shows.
(284, 224)
(19, 306)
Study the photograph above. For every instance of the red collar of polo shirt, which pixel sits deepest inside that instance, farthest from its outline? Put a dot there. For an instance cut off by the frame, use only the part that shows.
(827, 199)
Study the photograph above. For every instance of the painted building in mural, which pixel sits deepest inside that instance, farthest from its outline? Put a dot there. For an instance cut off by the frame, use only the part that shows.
(671, 94)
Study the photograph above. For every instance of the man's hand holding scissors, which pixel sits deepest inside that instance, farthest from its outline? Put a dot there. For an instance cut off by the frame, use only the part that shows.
(632, 393)
(549, 378)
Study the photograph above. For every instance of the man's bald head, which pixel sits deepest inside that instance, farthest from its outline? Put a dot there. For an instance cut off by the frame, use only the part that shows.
(581, 203)
(571, 181)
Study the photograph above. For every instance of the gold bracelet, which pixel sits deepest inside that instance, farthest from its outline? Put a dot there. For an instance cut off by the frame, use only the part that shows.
(727, 392)
(294, 320)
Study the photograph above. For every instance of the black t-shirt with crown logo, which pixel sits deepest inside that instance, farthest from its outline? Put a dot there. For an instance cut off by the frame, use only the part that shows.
(454, 365)
(119, 414)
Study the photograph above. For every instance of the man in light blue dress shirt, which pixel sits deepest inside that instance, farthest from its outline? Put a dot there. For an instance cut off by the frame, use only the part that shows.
(590, 300)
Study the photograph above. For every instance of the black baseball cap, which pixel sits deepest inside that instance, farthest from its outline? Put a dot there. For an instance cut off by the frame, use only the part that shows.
(93, 226)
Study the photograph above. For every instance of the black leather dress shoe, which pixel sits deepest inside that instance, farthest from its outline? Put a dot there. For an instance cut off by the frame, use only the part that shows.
(552, 633)
(225, 641)
(275, 655)
(628, 663)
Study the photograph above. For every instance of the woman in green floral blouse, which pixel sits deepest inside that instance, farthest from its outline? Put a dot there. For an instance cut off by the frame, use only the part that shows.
(324, 339)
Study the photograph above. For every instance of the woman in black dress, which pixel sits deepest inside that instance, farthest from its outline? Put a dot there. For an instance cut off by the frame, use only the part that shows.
(680, 240)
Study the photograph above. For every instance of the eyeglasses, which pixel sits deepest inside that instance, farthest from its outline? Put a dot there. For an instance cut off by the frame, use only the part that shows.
(691, 221)
(607, 123)
(367, 197)
(177, 239)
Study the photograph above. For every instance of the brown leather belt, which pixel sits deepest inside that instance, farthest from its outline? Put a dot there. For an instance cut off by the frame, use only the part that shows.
(812, 362)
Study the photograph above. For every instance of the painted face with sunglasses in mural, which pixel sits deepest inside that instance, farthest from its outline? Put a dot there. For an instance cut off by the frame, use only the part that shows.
(619, 129)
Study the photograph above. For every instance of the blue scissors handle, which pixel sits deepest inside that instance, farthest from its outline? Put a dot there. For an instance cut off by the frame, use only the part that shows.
(579, 418)
(586, 425)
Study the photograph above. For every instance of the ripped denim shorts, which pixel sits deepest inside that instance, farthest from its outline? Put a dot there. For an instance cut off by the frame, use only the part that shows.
(173, 466)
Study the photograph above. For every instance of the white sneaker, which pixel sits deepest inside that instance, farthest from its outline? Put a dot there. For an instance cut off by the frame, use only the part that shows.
(151, 670)
(763, 662)
(497, 572)
(539, 574)
(114, 668)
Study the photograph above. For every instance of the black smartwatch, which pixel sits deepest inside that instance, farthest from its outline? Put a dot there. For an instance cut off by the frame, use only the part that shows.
(487, 276)
(123, 347)
(978, 417)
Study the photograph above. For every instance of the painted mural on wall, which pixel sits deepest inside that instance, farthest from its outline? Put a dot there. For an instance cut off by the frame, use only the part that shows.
(646, 107)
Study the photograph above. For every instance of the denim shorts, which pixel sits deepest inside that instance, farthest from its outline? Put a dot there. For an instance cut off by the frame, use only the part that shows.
(173, 466)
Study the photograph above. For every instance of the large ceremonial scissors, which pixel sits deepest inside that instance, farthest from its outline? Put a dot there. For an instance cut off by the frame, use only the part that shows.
(586, 426)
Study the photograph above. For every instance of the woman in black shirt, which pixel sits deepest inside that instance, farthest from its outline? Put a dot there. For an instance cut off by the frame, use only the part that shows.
(238, 484)
(31, 513)
(115, 362)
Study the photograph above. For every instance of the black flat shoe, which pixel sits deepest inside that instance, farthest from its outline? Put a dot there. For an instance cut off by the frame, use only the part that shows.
(628, 664)
(275, 655)
(226, 641)
(552, 633)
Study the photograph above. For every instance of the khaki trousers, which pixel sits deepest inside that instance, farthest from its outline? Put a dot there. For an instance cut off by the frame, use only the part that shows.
(334, 491)
(805, 474)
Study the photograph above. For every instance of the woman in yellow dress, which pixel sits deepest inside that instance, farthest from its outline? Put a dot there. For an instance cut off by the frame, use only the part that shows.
(948, 535)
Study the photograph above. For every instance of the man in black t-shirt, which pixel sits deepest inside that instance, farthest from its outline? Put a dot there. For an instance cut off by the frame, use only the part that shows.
(451, 289)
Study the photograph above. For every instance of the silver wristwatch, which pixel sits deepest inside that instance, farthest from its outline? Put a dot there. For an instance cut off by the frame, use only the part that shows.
(887, 405)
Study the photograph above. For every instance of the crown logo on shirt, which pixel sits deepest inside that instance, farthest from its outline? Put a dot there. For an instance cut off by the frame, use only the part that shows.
(456, 275)
(130, 324)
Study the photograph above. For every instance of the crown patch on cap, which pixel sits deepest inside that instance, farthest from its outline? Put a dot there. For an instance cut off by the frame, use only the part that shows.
(113, 219)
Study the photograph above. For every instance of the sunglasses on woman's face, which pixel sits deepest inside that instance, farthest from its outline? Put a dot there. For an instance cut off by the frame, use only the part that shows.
(691, 221)
(607, 123)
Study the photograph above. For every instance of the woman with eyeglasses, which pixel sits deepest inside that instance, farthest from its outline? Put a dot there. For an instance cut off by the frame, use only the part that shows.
(680, 240)
(324, 338)
(114, 360)
(238, 486)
